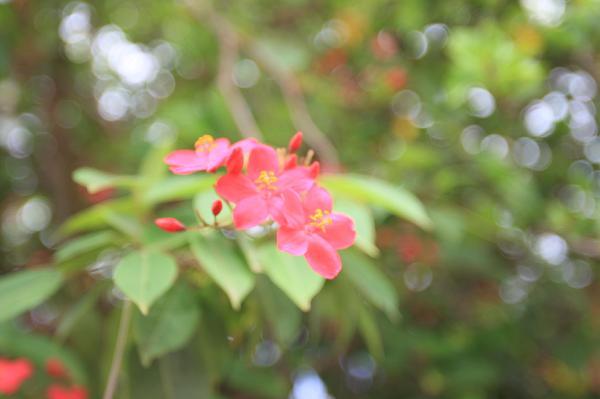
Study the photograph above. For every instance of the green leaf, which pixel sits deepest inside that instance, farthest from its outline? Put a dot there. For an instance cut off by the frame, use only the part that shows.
(169, 325)
(364, 224)
(95, 216)
(291, 274)
(84, 244)
(144, 276)
(24, 290)
(95, 180)
(372, 191)
(153, 168)
(369, 330)
(371, 282)
(178, 188)
(219, 258)
(72, 316)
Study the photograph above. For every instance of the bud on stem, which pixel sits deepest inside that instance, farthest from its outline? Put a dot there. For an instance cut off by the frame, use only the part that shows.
(170, 225)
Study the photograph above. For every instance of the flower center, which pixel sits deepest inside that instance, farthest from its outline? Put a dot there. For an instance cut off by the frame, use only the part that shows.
(266, 180)
(320, 219)
(205, 143)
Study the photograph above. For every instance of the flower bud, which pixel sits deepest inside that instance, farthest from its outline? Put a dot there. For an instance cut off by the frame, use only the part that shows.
(217, 207)
(235, 163)
(295, 142)
(170, 225)
(291, 162)
(314, 170)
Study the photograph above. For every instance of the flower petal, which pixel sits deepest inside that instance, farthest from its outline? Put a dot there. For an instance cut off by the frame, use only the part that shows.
(317, 198)
(262, 158)
(323, 258)
(297, 179)
(218, 155)
(235, 187)
(250, 212)
(292, 241)
(340, 233)
(183, 162)
(286, 209)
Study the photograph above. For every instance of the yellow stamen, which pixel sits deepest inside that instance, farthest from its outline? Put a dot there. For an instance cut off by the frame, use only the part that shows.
(266, 180)
(320, 219)
(205, 143)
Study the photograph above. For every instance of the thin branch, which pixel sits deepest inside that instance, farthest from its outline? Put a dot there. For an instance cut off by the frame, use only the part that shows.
(228, 54)
(230, 42)
(117, 361)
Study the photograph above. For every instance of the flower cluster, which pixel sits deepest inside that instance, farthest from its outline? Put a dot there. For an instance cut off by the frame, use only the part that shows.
(13, 373)
(267, 185)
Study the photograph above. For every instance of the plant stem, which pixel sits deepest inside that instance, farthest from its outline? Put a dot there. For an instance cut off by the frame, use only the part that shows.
(117, 360)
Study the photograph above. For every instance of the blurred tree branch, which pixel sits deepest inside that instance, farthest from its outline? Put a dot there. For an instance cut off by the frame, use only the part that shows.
(230, 41)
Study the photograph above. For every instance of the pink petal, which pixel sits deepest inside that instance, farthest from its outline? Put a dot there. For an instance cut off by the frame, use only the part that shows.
(286, 209)
(292, 241)
(235, 187)
(250, 212)
(317, 198)
(247, 145)
(185, 162)
(297, 179)
(262, 158)
(340, 233)
(323, 258)
(218, 155)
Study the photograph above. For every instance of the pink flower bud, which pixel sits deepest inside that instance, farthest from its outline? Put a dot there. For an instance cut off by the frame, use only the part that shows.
(235, 163)
(295, 142)
(170, 225)
(217, 207)
(291, 162)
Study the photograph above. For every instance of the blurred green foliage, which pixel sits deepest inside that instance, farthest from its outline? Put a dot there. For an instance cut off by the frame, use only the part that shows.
(485, 110)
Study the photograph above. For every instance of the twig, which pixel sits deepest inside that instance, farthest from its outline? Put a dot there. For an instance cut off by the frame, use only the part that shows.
(230, 41)
(228, 53)
(117, 360)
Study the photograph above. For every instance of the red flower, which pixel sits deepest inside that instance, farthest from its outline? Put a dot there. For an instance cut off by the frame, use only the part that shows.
(56, 369)
(58, 392)
(316, 232)
(258, 193)
(170, 225)
(13, 374)
(209, 155)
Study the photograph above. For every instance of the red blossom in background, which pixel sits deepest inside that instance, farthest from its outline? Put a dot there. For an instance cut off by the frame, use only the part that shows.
(55, 368)
(56, 391)
(315, 232)
(13, 374)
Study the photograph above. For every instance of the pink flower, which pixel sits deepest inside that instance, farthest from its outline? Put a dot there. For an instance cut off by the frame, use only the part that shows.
(258, 193)
(55, 368)
(13, 374)
(56, 391)
(316, 232)
(209, 155)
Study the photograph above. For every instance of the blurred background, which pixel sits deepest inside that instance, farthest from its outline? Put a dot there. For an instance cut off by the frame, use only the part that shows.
(485, 109)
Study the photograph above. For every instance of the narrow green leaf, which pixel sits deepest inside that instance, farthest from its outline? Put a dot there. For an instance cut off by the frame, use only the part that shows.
(153, 168)
(364, 224)
(84, 244)
(95, 180)
(371, 282)
(372, 191)
(94, 217)
(369, 330)
(168, 326)
(21, 291)
(144, 276)
(291, 274)
(77, 311)
(178, 187)
(219, 258)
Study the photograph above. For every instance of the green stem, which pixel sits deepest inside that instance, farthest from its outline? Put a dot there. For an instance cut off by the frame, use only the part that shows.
(117, 360)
